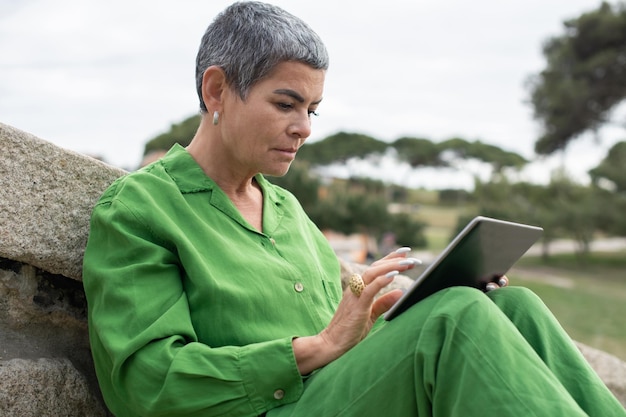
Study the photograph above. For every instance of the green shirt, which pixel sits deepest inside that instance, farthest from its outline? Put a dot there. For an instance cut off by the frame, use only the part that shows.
(191, 310)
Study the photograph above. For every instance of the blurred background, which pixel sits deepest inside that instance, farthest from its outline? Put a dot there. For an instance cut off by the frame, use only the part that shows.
(434, 112)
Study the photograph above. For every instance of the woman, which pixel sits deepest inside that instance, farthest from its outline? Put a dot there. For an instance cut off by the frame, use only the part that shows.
(212, 294)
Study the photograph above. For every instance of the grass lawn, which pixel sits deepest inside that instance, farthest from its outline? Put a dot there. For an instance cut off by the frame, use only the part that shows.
(588, 299)
(441, 222)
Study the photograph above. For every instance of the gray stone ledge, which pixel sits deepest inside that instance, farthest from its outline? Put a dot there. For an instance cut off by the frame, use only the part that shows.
(46, 196)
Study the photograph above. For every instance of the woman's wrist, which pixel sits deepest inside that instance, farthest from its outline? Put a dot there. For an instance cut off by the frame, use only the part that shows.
(313, 352)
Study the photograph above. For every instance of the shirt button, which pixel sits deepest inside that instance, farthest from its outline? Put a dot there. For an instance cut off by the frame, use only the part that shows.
(279, 394)
(272, 241)
(298, 287)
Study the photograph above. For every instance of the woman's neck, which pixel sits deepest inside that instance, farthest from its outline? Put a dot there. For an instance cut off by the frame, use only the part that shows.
(215, 162)
(241, 188)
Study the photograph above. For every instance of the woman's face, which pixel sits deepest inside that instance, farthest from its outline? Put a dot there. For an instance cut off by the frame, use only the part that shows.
(263, 133)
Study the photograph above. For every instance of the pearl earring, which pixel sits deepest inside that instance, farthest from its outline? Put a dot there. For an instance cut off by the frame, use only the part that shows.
(216, 117)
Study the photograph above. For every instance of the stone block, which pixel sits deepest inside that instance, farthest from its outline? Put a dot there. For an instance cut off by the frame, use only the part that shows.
(46, 197)
(45, 387)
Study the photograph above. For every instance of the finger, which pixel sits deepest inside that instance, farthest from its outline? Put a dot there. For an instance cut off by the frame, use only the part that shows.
(384, 303)
(378, 284)
(385, 266)
(503, 281)
(398, 253)
(491, 286)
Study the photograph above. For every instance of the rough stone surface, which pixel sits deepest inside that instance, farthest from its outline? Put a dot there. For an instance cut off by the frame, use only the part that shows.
(43, 336)
(610, 368)
(46, 196)
(45, 387)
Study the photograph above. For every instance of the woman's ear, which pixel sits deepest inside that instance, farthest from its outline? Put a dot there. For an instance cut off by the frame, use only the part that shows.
(213, 88)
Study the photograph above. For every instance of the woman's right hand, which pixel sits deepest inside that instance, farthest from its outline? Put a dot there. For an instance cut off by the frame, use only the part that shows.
(355, 315)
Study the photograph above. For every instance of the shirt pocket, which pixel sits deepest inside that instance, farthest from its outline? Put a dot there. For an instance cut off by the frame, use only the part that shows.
(333, 293)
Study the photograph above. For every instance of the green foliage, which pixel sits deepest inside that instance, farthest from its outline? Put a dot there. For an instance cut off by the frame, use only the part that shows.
(303, 185)
(418, 152)
(455, 197)
(408, 231)
(340, 147)
(612, 168)
(497, 157)
(576, 208)
(358, 205)
(564, 209)
(181, 133)
(585, 77)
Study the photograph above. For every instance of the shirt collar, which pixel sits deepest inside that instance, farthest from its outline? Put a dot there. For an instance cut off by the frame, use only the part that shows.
(190, 178)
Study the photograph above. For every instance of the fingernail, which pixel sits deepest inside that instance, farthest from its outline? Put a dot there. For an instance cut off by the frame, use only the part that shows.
(410, 261)
(403, 250)
(391, 274)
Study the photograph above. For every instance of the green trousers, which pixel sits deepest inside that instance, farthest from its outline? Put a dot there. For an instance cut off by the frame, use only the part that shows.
(461, 353)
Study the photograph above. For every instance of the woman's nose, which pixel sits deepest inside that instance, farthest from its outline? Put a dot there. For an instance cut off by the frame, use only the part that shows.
(300, 126)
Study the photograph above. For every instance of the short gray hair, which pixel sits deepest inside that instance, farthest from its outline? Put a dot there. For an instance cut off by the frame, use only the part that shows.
(248, 39)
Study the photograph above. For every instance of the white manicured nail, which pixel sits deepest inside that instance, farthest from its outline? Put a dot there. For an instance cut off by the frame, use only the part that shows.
(391, 274)
(410, 261)
(403, 250)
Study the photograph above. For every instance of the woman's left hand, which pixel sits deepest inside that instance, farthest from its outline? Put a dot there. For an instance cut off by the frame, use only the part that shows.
(498, 282)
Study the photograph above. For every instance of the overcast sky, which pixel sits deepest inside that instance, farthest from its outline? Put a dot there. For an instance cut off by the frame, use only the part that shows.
(103, 77)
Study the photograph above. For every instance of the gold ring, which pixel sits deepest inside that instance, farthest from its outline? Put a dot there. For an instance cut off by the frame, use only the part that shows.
(356, 284)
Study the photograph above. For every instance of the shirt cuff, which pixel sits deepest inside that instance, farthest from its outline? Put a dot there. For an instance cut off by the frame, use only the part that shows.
(271, 375)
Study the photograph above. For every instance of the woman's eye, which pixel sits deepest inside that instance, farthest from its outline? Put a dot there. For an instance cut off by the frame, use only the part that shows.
(285, 106)
(313, 113)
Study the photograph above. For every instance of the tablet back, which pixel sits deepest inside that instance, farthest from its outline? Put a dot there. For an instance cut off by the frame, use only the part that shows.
(484, 249)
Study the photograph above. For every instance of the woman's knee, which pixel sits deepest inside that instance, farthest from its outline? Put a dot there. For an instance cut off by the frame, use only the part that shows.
(462, 303)
(466, 304)
(515, 297)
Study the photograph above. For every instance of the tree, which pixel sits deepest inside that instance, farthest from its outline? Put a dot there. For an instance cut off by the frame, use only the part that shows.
(181, 133)
(609, 181)
(461, 149)
(301, 184)
(340, 147)
(585, 77)
(612, 168)
(418, 152)
(560, 208)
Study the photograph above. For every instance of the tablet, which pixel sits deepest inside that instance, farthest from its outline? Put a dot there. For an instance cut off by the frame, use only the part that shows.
(486, 248)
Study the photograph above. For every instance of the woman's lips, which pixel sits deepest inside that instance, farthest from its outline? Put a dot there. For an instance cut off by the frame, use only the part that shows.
(288, 151)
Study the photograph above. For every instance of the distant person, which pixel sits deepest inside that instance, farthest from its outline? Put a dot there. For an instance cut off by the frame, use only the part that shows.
(211, 293)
